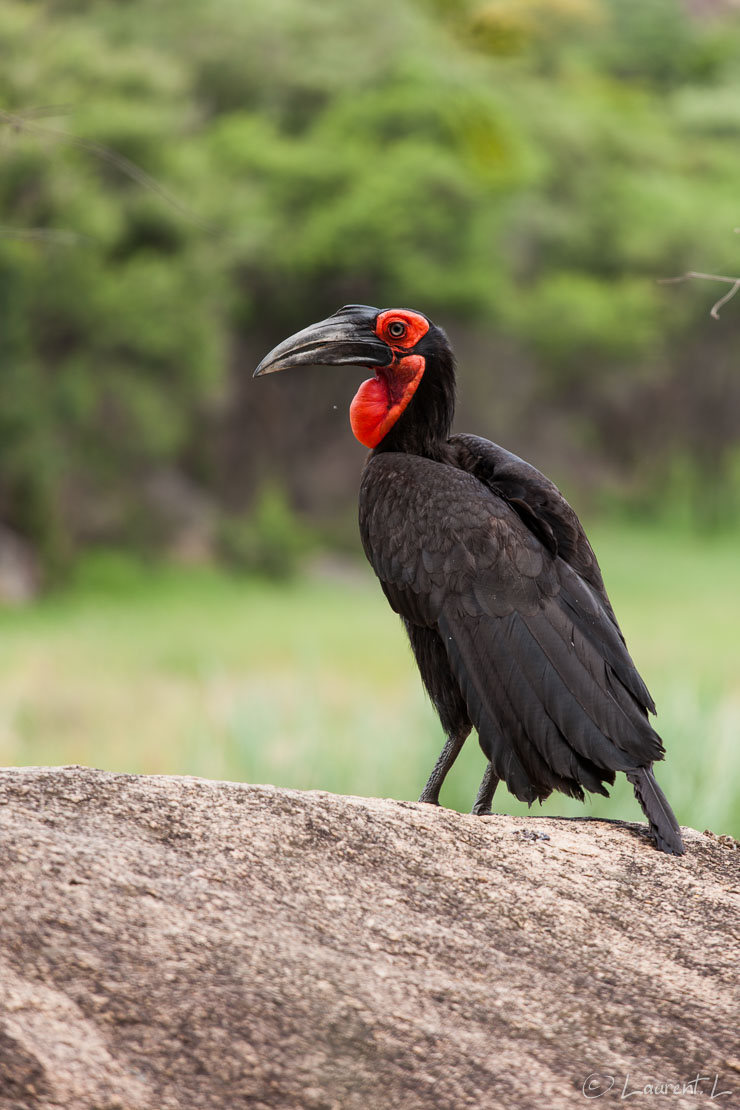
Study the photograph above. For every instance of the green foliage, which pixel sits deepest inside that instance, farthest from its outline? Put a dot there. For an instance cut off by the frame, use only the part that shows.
(271, 541)
(584, 326)
(214, 175)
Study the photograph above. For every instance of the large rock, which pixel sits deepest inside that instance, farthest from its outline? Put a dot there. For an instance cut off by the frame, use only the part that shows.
(173, 943)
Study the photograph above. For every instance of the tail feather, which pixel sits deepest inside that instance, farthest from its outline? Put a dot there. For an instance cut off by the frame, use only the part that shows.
(655, 806)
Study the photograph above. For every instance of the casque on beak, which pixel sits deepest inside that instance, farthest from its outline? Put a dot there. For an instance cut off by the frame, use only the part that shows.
(346, 338)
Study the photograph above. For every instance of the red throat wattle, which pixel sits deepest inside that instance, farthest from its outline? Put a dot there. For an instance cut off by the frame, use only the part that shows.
(380, 401)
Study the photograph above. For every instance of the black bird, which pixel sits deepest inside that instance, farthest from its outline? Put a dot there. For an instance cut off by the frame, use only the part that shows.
(493, 576)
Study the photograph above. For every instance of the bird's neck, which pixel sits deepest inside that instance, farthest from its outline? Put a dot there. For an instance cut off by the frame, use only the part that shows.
(424, 426)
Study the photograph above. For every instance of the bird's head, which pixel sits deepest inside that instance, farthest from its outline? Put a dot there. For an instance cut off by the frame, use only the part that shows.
(398, 344)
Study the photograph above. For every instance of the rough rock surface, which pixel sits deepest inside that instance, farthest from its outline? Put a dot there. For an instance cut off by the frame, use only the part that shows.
(174, 943)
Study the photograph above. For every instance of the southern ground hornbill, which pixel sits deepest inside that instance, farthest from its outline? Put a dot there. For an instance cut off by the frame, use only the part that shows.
(493, 576)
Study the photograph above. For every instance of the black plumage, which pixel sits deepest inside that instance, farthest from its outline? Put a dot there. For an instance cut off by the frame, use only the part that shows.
(500, 593)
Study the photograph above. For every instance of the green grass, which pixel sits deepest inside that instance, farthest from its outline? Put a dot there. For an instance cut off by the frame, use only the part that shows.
(312, 685)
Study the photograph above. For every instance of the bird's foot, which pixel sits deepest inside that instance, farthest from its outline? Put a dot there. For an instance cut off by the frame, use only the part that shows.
(448, 755)
(484, 797)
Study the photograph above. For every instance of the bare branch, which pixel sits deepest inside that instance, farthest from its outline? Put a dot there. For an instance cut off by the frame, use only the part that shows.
(44, 110)
(46, 234)
(714, 310)
(695, 274)
(19, 121)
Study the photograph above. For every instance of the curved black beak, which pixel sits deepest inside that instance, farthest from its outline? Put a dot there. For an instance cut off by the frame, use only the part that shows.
(347, 337)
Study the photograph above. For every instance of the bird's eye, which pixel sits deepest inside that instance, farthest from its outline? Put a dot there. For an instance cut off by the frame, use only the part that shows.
(396, 329)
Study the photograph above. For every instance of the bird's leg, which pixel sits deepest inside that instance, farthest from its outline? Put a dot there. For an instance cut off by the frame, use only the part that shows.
(486, 790)
(447, 757)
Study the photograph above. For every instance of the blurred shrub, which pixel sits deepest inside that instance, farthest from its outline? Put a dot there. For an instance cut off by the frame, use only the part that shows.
(270, 541)
(110, 573)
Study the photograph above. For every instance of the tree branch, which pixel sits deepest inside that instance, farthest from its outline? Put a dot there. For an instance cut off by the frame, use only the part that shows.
(19, 122)
(714, 310)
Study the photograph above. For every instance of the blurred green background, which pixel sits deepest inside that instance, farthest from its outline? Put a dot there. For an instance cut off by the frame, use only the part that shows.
(181, 186)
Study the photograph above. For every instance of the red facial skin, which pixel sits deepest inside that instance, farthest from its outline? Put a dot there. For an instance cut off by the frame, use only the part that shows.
(380, 401)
